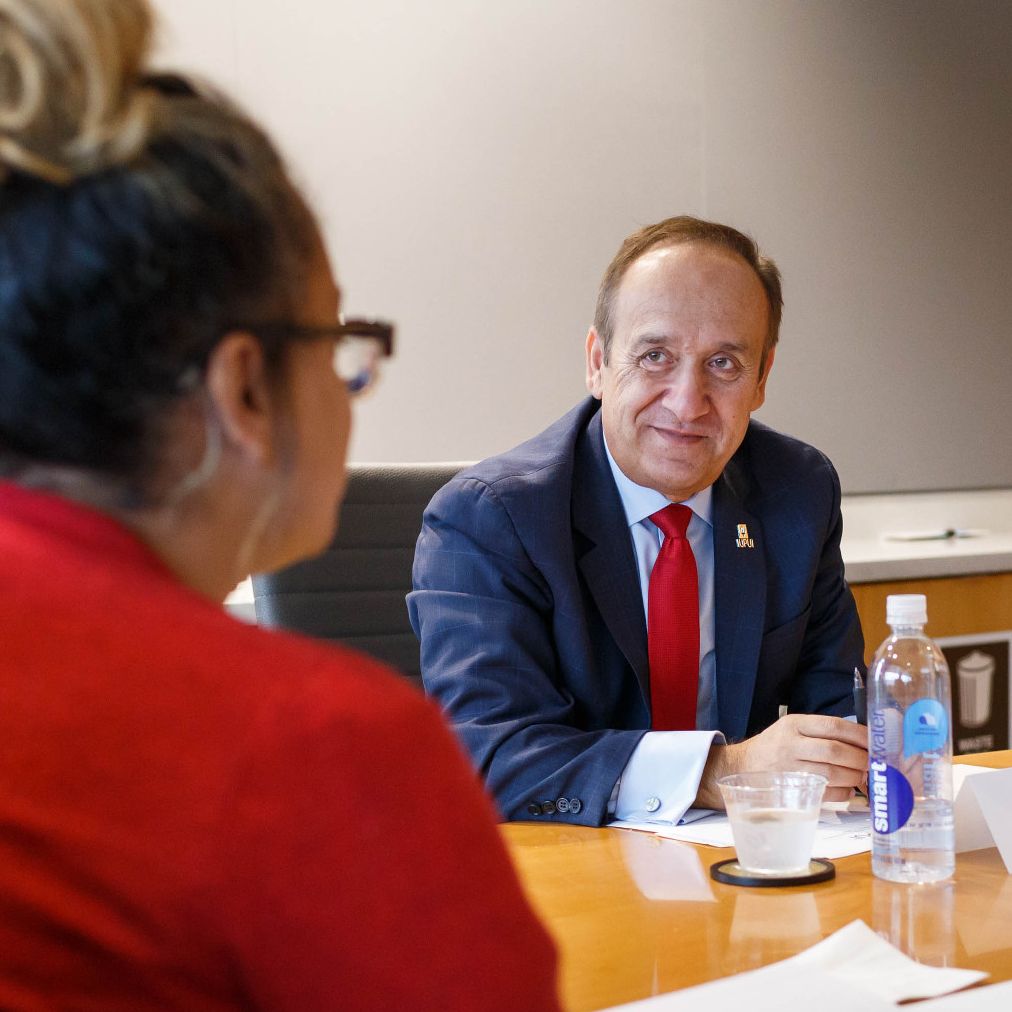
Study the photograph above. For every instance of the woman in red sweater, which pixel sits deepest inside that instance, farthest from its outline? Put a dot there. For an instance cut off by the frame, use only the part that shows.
(194, 813)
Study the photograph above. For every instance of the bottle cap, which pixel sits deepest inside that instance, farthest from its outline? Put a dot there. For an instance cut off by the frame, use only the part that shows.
(906, 609)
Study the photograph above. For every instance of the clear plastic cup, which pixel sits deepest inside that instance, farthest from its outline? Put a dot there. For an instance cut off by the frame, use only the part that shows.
(773, 819)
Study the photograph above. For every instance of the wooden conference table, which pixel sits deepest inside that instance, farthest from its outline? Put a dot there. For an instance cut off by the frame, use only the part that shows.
(634, 915)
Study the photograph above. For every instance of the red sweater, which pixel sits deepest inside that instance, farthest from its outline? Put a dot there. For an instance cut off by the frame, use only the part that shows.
(198, 814)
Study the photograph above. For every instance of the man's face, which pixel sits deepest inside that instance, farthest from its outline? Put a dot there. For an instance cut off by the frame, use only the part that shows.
(683, 375)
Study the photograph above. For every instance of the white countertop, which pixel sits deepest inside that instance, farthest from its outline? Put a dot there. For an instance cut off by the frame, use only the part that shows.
(871, 523)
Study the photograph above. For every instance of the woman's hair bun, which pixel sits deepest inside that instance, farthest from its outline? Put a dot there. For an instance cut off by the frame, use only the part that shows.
(71, 98)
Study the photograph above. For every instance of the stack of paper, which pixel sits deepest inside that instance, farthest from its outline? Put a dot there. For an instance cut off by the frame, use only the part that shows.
(982, 811)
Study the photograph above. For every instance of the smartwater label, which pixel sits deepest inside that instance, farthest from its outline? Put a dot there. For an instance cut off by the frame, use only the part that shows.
(891, 797)
(925, 727)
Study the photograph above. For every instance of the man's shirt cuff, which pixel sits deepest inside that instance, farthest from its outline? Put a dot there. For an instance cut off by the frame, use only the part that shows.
(661, 779)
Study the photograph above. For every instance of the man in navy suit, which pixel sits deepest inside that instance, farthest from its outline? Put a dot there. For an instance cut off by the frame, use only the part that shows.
(532, 570)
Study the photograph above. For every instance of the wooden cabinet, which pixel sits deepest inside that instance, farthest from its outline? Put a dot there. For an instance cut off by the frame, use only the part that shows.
(957, 605)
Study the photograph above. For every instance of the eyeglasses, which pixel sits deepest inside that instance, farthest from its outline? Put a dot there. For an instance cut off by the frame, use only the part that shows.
(361, 343)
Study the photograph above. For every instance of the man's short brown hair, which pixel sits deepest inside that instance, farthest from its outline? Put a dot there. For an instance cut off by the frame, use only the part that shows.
(675, 232)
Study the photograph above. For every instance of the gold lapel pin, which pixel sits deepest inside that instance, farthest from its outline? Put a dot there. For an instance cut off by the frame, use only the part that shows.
(743, 540)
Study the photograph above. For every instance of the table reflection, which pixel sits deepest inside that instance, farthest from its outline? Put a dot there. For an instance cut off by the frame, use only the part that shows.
(917, 919)
(767, 926)
(984, 918)
(664, 869)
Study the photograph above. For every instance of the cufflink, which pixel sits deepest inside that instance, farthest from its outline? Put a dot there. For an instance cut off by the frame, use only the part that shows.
(652, 804)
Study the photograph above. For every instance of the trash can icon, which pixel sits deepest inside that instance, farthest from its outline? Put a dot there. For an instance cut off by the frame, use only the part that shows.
(975, 673)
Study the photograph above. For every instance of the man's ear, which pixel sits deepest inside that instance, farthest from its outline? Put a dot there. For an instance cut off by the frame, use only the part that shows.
(595, 363)
(240, 390)
(760, 393)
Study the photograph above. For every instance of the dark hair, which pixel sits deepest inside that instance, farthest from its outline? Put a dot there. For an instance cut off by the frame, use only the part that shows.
(676, 231)
(139, 216)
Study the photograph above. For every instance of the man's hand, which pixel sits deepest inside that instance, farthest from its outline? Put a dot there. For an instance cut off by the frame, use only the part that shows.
(809, 742)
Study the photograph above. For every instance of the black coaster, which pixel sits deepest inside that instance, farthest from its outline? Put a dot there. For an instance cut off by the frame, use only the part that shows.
(819, 870)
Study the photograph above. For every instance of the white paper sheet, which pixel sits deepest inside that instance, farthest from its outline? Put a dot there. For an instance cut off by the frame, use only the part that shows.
(971, 828)
(866, 959)
(854, 968)
(767, 990)
(983, 811)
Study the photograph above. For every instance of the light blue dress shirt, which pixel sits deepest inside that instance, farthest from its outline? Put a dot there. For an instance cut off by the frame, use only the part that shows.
(662, 776)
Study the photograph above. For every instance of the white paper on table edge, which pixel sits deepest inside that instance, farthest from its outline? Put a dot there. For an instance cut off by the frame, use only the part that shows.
(992, 795)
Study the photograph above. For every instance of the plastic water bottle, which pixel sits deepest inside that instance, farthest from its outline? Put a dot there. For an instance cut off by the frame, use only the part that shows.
(910, 750)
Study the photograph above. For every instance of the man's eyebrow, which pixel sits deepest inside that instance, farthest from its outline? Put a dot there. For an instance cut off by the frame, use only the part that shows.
(736, 346)
(647, 341)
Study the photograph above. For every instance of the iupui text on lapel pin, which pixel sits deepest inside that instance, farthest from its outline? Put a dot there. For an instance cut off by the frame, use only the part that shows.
(743, 540)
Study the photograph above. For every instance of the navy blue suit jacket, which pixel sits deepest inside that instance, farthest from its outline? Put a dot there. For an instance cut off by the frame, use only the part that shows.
(528, 607)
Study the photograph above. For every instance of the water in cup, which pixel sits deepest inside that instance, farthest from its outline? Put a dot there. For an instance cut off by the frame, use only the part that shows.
(775, 841)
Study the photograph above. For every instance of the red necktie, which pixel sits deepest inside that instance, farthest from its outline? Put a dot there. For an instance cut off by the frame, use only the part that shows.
(673, 625)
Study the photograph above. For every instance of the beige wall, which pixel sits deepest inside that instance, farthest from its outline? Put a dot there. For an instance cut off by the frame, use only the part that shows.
(477, 164)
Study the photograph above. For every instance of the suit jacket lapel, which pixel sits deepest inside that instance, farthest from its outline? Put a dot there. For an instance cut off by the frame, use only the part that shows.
(739, 578)
(604, 550)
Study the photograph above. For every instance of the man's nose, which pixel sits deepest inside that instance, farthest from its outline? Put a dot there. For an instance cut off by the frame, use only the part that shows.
(685, 394)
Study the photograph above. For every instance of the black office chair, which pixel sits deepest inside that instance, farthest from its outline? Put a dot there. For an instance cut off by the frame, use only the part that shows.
(354, 592)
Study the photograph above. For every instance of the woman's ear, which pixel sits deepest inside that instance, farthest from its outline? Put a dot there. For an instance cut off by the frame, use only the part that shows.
(243, 397)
